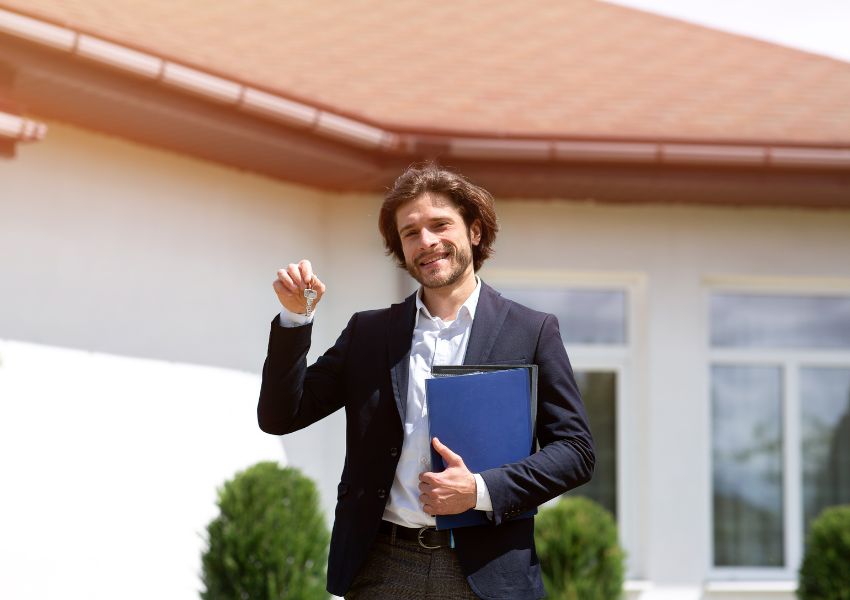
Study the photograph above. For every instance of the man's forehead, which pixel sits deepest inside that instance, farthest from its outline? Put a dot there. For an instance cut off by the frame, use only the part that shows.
(436, 200)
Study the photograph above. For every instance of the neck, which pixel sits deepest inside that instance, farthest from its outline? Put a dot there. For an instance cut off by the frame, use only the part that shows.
(444, 302)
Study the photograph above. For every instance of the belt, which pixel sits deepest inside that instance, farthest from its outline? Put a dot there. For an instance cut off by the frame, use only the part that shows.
(427, 537)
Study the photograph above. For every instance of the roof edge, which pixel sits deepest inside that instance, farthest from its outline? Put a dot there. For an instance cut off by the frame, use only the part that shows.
(19, 129)
(363, 134)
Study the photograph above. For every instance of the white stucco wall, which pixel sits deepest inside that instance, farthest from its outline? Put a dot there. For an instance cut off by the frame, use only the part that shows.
(110, 467)
(128, 251)
(124, 249)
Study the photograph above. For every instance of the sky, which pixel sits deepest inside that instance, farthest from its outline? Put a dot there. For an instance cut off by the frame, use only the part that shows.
(820, 26)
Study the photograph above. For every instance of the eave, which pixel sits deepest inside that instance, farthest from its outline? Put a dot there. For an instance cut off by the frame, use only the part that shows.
(14, 129)
(111, 87)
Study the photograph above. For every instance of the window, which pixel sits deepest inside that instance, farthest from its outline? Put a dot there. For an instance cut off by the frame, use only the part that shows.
(825, 431)
(780, 431)
(599, 393)
(763, 321)
(586, 316)
(747, 457)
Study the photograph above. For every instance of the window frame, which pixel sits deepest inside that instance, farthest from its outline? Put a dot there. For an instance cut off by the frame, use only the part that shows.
(629, 367)
(790, 361)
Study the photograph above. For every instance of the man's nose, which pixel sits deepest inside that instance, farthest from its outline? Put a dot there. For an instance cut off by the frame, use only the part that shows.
(427, 238)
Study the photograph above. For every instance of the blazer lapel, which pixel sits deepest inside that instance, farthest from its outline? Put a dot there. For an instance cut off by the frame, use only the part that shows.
(490, 314)
(402, 320)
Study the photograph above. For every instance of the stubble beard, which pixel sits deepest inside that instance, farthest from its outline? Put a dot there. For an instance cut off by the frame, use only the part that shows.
(460, 258)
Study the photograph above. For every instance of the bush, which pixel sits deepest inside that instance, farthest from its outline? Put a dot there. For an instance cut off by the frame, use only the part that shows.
(270, 539)
(825, 572)
(580, 556)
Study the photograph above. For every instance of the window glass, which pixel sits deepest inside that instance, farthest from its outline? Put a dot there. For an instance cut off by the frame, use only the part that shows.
(825, 413)
(747, 465)
(585, 316)
(599, 393)
(780, 321)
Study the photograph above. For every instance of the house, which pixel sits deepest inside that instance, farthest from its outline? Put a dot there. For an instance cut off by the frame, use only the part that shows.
(679, 197)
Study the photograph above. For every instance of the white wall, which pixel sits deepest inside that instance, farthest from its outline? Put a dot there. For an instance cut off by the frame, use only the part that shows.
(110, 467)
(115, 247)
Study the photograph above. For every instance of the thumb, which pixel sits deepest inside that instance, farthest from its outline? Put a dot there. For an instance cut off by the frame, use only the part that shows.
(449, 457)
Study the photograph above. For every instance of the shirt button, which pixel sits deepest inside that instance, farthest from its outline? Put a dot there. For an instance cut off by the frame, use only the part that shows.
(423, 460)
(382, 493)
(393, 452)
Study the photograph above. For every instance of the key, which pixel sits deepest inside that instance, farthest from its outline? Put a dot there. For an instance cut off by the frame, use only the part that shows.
(310, 294)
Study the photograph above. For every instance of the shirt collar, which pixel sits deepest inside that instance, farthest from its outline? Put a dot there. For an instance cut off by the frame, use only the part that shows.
(467, 308)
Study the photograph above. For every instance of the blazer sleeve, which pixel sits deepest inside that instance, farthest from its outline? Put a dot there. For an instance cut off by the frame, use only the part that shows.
(293, 396)
(566, 457)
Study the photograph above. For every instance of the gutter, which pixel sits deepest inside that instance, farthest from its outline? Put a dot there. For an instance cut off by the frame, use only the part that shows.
(19, 129)
(362, 134)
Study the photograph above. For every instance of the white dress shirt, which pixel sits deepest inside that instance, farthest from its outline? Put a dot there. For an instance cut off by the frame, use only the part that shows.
(435, 342)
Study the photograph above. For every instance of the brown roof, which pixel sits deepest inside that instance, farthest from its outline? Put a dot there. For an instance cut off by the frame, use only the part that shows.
(537, 69)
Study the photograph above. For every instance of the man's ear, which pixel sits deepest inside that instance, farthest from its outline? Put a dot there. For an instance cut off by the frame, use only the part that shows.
(475, 232)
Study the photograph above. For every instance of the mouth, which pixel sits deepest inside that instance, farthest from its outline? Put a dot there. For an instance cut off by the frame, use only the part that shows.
(430, 260)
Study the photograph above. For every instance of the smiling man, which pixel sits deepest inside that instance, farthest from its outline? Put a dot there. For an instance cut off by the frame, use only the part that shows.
(440, 228)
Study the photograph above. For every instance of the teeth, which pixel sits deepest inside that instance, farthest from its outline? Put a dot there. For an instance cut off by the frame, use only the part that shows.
(432, 260)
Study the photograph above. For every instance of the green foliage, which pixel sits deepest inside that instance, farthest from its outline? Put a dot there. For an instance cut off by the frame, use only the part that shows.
(580, 556)
(825, 572)
(270, 539)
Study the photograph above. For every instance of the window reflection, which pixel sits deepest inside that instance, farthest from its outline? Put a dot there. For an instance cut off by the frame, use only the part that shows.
(825, 412)
(747, 465)
(780, 321)
(599, 393)
(585, 316)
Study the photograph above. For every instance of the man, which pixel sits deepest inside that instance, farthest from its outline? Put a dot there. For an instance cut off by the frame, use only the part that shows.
(441, 228)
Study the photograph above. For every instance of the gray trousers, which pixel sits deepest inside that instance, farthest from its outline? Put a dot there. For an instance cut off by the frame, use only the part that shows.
(403, 570)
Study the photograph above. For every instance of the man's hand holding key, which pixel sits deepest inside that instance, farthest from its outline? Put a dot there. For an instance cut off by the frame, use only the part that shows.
(298, 288)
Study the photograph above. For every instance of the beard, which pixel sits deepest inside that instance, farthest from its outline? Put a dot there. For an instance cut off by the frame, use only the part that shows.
(459, 260)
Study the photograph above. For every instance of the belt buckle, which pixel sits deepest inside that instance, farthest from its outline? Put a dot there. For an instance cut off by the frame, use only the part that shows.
(420, 540)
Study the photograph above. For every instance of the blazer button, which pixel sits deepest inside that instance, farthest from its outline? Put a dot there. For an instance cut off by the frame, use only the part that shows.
(382, 493)
(393, 452)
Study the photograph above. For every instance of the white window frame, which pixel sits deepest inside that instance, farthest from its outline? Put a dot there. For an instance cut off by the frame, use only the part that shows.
(790, 361)
(631, 400)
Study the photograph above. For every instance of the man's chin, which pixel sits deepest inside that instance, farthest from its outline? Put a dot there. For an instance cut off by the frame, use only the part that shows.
(434, 281)
(435, 284)
(431, 281)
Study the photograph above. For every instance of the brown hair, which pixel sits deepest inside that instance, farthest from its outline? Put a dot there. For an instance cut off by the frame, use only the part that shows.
(472, 202)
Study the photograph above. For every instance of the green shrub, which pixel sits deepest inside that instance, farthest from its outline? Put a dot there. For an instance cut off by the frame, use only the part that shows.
(580, 556)
(270, 539)
(825, 572)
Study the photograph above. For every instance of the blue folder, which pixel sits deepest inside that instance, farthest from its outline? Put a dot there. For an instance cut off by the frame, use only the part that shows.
(485, 417)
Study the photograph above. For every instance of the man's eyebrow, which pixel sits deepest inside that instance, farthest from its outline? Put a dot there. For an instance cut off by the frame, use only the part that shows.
(430, 221)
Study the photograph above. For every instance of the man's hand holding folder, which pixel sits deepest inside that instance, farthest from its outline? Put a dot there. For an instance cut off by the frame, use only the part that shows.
(451, 491)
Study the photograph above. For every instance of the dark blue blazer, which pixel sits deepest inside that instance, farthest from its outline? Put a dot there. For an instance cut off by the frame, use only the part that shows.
(366, 372)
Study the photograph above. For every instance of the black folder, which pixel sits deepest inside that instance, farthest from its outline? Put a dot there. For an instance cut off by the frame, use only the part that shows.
(484, 413)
